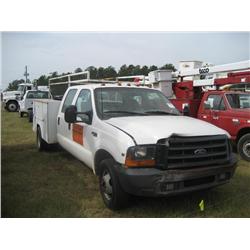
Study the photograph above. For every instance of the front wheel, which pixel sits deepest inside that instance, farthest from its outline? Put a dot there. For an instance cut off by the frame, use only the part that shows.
(244, 147)
(12, 106)
(112, 193)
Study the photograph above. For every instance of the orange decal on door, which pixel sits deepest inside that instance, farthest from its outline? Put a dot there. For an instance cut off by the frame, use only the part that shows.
(78, 133)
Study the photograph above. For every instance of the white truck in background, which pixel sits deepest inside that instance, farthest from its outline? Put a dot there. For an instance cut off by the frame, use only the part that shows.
(11, 98)
(135, 141)
(26, 102)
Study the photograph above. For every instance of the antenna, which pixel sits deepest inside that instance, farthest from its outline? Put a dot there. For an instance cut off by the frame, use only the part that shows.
(26, 74)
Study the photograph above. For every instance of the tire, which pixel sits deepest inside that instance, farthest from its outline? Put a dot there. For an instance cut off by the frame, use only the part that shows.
(41, 144)
(12, 106)
(111, 191)
(243, 147)
(30, 116)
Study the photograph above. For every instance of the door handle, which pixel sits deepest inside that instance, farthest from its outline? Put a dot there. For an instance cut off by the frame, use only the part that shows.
(215, 117)
(94, 134)
(58, 120)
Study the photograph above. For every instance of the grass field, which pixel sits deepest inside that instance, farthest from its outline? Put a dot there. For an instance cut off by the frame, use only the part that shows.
(54, 184)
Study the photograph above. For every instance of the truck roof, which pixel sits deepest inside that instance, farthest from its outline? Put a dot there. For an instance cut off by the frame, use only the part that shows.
(107, 85)
(227, 92)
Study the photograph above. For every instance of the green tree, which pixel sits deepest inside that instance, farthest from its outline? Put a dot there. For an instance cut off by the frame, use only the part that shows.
(137, 70)
(100, 73)
(14, 84)
(169, 66)
(93, 72)
(110, 72)
(123, 71)
(131, 68)
(152, 68)
(144, 70)
(54, 74)
(43, 80)
(78, 70)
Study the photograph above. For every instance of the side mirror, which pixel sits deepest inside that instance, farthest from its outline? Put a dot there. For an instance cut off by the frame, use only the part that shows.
(70, 114)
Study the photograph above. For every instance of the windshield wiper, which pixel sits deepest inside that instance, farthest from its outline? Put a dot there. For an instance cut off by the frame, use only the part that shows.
(124, 112)
(159, 112)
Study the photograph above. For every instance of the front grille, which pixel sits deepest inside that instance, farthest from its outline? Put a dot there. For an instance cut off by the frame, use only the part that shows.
(184, 152)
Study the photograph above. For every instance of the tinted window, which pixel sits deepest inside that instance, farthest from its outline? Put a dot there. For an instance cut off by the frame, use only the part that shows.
(216, 102)
(69, 99)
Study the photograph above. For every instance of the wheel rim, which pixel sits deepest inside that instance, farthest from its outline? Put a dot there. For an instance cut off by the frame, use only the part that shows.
(106, 185)
(12, 107)
(246, 148)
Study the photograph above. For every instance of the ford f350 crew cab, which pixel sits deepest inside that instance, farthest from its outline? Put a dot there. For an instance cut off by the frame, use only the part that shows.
(135, 141)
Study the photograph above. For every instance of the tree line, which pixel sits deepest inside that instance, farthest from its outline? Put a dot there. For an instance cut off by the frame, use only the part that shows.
(97, 73)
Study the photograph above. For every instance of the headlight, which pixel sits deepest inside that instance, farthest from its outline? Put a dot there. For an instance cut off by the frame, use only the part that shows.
(141, 156)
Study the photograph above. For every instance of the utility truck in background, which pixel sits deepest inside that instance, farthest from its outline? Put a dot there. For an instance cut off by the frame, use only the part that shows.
(217, 94)
(133, 139)
(26, 102)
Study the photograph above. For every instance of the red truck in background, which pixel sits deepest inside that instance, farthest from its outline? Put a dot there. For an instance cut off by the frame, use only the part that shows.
(226, 109)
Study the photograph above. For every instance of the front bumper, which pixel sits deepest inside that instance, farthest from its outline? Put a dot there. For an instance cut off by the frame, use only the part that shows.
(156, 182)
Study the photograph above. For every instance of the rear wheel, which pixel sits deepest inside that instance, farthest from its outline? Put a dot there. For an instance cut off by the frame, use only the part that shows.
(41, 144)
(244, 147)
(30, 116)
(112, 193)
(12, 106)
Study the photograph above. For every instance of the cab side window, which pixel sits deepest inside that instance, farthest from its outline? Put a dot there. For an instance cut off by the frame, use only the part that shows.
(216, 102)
(69, 99)
(83, 102)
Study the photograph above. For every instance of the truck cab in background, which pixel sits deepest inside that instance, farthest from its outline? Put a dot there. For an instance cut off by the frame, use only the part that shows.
(229, 110)
(11, 98)
(26, 102)
(205, 92)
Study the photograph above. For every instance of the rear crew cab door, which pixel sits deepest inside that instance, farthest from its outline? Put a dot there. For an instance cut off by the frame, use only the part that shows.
(82, 134)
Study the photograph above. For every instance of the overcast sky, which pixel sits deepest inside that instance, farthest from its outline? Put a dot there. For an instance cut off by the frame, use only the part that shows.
(64, 52)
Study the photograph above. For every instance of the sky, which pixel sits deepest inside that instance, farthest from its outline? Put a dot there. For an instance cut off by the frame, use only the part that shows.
(45, 52)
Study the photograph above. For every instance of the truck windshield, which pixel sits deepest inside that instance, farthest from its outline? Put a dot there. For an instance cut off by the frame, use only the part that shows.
(239, 101)
(38, 95)
(21, 88)
(125, 101)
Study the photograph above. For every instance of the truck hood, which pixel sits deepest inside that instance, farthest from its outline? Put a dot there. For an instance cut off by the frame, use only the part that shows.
(11, 93)
(149, 129)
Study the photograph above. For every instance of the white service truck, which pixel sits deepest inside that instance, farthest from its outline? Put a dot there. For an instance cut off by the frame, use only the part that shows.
(135, 141)
(26, 102)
